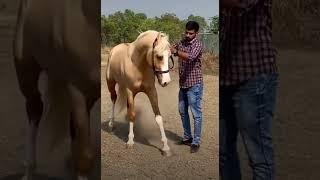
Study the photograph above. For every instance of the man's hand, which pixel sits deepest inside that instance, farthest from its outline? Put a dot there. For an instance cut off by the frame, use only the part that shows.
(173, 50)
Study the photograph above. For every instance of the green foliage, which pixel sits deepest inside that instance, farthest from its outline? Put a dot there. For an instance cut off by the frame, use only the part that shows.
(171, 25)
(200, 20)
(214, 25)
(125, 26)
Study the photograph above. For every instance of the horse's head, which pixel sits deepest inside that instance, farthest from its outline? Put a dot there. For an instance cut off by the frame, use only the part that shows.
(161, 55)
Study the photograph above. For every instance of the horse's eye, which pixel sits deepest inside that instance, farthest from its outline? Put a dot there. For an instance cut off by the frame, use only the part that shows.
(159, 57)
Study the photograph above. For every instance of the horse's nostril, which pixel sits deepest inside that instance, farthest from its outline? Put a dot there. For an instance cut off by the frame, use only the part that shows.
(165, 83)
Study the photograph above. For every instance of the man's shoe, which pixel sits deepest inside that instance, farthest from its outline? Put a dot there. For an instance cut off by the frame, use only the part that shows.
(194, 148)
(186, 142)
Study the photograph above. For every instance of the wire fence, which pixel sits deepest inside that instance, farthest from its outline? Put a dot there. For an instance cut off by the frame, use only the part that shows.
(210, 42)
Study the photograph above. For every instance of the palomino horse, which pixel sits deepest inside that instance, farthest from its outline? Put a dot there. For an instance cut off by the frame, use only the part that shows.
(133, 66)
(61, 38)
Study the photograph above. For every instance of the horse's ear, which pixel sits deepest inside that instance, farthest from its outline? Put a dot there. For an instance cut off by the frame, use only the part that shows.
(156, 41)
(159, 35)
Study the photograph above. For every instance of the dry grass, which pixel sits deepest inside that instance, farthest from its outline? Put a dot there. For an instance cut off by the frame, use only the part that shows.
(210, 64)
(105, 51)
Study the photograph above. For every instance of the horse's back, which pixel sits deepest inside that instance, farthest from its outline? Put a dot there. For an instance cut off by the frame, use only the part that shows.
(120, 50)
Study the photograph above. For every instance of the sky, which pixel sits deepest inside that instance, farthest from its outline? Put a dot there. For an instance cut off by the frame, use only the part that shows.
(152, 8)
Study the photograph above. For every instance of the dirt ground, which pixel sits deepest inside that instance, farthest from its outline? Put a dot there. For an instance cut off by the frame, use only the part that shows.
(53, 164)
(145, 161)
(296, 127)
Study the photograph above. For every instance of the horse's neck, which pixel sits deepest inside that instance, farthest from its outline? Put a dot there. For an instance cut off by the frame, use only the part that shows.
(139, 53)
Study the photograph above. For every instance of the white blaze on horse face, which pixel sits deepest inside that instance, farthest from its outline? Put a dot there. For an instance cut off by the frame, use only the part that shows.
(165, 67)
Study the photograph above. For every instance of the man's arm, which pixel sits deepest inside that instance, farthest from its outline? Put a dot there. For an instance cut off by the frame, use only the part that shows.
(196, 49)
(183, 55)
(176, 52)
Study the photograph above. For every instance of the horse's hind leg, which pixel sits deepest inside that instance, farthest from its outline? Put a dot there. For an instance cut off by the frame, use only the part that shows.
(81, 146)
(131, 117)
(153, 97)
(28, 72)
(112, 89)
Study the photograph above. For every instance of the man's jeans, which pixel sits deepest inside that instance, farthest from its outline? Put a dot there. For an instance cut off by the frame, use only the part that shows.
(248, 109)
(191, 97)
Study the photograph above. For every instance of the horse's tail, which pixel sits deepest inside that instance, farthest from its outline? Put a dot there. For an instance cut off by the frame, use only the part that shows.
(56, 116)
(108, 64)
(121, 101)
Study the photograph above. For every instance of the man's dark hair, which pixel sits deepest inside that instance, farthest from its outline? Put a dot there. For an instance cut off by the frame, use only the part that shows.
(192, 25)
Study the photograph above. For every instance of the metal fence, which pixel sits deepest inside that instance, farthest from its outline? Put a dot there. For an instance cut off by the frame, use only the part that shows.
(210, 42)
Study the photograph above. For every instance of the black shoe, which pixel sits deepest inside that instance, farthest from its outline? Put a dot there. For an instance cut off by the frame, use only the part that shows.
(194, 148)
(186, 142)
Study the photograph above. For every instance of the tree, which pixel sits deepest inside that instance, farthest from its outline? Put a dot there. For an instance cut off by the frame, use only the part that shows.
(170, 24)
(121, 27)
(214, 25)
(200, 20)
(148, 24)
(125, 26)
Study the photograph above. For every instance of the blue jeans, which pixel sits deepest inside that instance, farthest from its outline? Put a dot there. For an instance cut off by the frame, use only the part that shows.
(247, 109)
(191, 97)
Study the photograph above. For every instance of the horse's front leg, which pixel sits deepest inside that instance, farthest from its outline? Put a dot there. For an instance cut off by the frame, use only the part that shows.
(28, 73)
(81, 147)
(111, 87)
(153, 97)
(131, 116)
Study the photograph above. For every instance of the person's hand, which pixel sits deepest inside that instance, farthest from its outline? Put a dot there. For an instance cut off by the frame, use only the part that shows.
(173, 50)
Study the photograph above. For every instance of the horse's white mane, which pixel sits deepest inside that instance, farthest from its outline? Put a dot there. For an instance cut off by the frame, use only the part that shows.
(163, 42)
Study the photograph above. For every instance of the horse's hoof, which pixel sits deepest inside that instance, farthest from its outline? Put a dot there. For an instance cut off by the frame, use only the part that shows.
(129, 146)
(166, 153)
(29, 170)
(110, 128)
(27, 177)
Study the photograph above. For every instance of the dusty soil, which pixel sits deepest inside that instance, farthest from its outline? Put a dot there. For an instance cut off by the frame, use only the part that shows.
(296, 127)
(145, 161)
(53, 163)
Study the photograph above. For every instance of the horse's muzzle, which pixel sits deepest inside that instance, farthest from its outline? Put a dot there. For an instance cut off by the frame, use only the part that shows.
(164, 84)
(163, 79)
